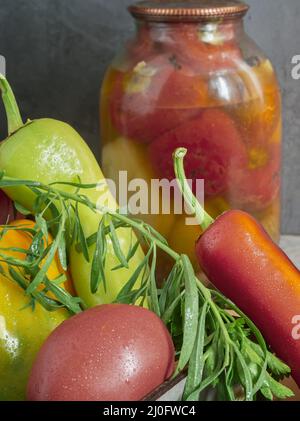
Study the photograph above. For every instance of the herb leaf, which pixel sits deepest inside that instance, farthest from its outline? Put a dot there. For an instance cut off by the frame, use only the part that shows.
(191, 314)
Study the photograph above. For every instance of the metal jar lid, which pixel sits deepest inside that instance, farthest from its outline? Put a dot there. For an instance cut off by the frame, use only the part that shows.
(188, 10)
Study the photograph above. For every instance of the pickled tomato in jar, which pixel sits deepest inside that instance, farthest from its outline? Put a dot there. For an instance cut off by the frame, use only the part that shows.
(191, 77)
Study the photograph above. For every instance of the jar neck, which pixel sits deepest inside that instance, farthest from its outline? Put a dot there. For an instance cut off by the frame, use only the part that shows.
(213, 31)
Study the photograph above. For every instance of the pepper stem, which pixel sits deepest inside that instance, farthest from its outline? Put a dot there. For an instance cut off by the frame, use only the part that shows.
(13, 115)
(203, 218)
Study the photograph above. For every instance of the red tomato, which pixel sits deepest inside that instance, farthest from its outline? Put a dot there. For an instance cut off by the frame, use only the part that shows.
(189, 46)
(154, 98)
(108, 353)
(184, 90)
(215, 150)
(6, 209)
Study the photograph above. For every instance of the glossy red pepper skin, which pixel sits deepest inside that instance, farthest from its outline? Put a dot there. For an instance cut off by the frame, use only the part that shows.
(243, 262)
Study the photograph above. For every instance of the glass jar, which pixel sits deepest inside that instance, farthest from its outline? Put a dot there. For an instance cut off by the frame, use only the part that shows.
(192, 77)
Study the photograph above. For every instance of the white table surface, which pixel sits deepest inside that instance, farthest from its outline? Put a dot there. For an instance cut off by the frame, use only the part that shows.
(291, 245)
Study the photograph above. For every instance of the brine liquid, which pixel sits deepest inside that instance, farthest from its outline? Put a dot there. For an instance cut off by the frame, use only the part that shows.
(234, 142)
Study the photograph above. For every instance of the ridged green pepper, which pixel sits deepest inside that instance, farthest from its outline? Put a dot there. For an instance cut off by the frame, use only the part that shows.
(48, 151)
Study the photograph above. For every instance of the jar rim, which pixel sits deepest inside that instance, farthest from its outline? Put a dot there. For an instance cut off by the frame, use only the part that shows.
(188, 10)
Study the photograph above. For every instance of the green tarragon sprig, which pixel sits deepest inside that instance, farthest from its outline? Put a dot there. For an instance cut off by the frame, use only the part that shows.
(218, 345)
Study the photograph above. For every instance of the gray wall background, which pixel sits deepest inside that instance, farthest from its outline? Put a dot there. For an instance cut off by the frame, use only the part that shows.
(57, 52)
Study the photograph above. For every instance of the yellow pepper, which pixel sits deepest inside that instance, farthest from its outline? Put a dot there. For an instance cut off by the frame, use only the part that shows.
(23, 329)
